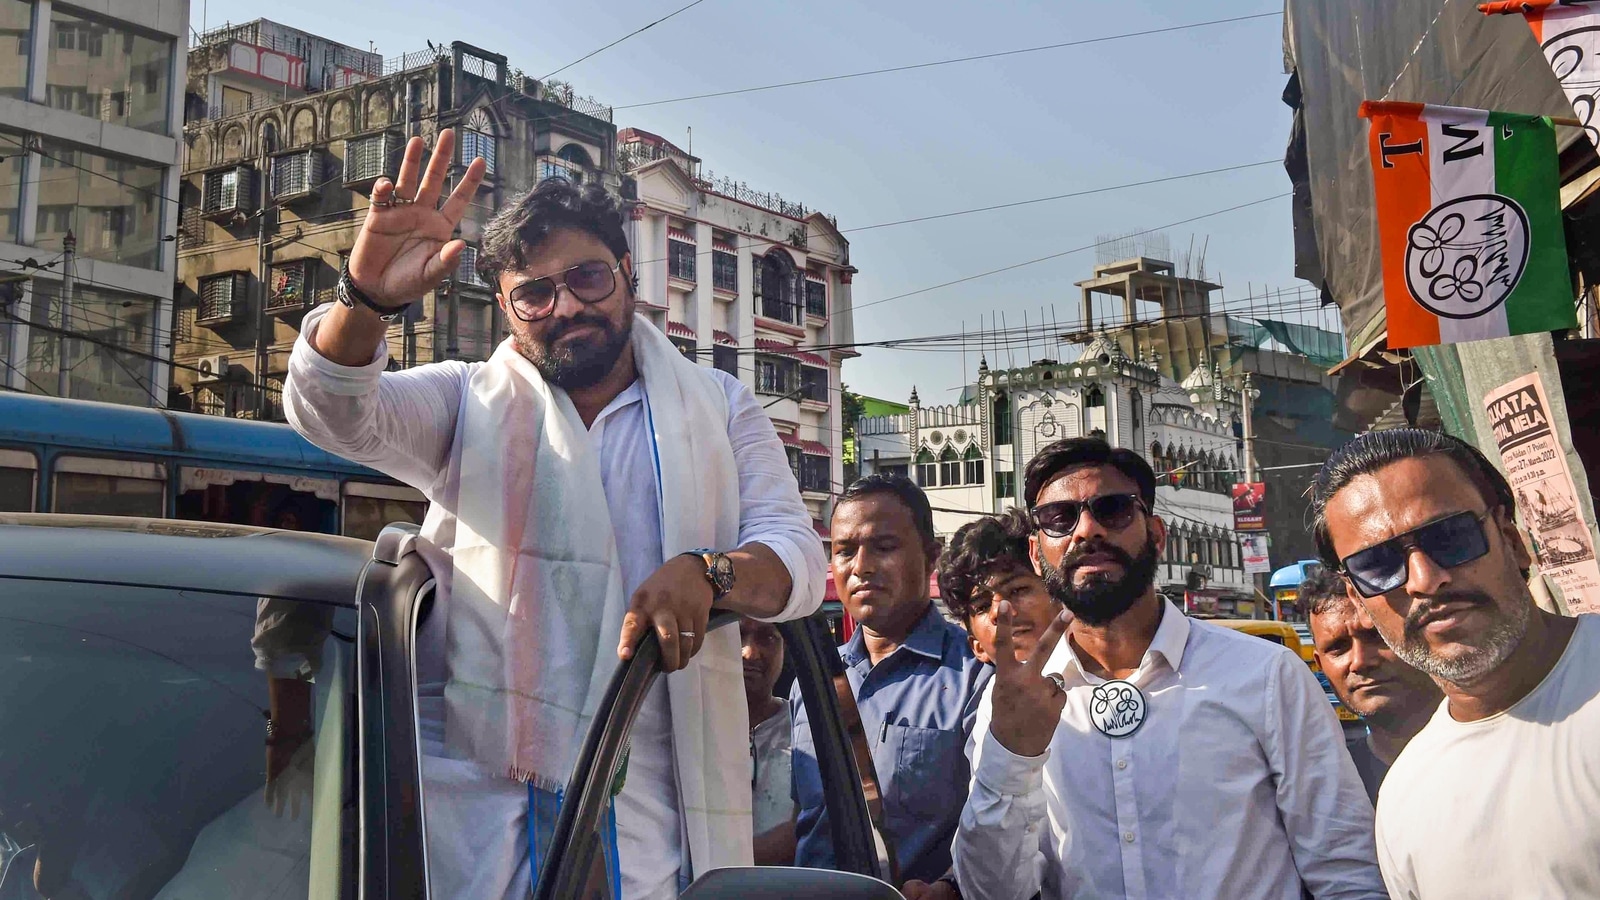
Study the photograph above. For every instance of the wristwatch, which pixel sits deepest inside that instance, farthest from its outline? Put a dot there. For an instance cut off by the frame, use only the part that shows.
(719, 571)
(349, 295)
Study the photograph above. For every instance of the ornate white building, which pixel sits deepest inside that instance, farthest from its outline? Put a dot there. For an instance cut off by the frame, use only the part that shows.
(969, 456)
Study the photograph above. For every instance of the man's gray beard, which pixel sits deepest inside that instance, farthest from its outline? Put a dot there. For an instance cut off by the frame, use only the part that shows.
(570, 371)
(1494, 648)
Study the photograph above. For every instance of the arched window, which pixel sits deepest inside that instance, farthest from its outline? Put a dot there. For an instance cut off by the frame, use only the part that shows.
(1156, 462)
(972, 465)
(575, 154)
(1001, 417)
(1094, 409)
(949, 467)
(927, 470)
(776, 291)
(477, 139)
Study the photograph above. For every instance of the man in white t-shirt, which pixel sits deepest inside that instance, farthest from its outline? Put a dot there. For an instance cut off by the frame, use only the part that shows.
(1497, 796)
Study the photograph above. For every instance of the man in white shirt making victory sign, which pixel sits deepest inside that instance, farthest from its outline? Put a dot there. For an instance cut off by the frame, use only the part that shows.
(587, 484)
(1148, 755)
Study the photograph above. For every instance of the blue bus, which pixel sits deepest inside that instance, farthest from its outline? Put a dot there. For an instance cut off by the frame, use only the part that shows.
(79, 456)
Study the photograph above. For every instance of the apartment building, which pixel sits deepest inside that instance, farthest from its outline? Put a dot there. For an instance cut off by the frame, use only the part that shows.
(91, 117)
(287, 133)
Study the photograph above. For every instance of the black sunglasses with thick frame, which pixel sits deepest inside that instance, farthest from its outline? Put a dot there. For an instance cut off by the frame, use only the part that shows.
(1450, 541)
(1113, 511)
(590, 281)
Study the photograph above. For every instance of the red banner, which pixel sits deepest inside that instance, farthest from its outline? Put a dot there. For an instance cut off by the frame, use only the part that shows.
(1250, 506)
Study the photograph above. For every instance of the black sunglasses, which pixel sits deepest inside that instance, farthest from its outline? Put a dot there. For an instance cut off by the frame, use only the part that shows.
(1449, 542)
(590, 282)
(1113, 511)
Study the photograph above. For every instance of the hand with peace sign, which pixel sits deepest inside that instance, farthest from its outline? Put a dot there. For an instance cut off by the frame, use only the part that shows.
(406, 245)
(1026, 703)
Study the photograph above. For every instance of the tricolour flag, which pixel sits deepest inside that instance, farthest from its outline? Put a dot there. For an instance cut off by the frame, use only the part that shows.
(1568, 31)
(1469, 224)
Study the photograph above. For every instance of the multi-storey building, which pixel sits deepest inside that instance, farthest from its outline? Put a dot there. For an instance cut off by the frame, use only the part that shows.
(754, 285)
(287, 133)
(90, 121)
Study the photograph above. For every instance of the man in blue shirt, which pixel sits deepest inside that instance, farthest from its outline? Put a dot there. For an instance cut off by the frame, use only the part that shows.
(915, 681)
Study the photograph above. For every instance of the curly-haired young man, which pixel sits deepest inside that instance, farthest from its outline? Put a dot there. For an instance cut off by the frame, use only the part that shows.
(588, 485)
(987, 562)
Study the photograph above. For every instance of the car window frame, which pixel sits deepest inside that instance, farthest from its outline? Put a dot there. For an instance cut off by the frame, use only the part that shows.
(575, 841)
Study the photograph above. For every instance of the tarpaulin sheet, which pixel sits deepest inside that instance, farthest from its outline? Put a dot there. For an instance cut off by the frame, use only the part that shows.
(1340, 52)
(1318, 345)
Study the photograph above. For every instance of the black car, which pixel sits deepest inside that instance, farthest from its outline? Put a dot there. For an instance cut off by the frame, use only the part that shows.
(147, 666)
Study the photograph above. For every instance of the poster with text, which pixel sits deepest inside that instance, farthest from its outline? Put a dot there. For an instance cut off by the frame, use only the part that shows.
(1250, 506)
(1536, 466)
(1253, 548)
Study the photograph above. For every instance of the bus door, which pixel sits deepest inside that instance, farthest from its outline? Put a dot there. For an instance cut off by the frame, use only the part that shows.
(264, 499)
(19, 481)
(108, 487)
(369, 506)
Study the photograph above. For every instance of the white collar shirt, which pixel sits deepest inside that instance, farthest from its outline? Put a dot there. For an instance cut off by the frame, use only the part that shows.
(1236, 785)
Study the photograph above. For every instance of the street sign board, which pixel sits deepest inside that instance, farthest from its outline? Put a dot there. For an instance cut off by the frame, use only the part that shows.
(1250, 506)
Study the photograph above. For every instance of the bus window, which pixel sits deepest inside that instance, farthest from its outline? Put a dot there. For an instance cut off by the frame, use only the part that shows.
(18, 480)
(263, 499)
(108, 487)
(368, 507)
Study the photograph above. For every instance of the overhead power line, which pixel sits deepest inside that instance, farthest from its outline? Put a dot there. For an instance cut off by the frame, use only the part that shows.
(619, 40)
(949, 62)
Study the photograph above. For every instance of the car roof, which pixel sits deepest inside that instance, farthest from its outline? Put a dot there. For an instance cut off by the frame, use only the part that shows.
(198, 556)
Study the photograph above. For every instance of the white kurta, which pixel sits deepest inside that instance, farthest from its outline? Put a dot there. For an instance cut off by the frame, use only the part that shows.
(402, 423)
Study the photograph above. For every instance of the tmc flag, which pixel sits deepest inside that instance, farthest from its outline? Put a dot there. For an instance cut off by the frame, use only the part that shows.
(1469, 222)
(1568, 31)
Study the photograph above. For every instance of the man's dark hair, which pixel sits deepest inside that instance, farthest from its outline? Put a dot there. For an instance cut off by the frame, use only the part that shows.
(1376, 449)
(553, 204)
(978, 551)
(1071, 453)
(906, 491)
(1323, 591)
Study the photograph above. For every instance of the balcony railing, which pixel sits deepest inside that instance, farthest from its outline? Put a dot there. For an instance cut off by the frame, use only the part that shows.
(562, 93)
(780, 310)
(744, 193)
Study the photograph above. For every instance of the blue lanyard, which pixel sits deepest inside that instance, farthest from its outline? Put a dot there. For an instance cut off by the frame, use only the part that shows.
(544, 807)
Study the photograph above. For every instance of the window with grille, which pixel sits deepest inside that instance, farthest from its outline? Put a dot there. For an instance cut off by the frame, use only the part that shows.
(296, 174)
(477, 139)
(816, 298)
(814, 384)
(816, 473)
(680, 259)
(725, 358)
(222, 297)
(232, 190)
(775, 376)
(795, 461)
(724, 270)
(369, 158)
(290, 285)
(467, 269)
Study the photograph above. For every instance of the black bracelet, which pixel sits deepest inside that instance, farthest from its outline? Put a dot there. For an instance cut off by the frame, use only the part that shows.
(950, 879)
(349, 295)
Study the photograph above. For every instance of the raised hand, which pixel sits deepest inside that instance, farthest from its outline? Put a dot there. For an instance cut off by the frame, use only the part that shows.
(405, 247)
(1026, 704)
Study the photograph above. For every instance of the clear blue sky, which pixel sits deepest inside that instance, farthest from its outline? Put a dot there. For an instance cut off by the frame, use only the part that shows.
(894, 146)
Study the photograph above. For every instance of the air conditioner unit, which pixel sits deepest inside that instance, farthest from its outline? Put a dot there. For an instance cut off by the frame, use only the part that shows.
(211, 368)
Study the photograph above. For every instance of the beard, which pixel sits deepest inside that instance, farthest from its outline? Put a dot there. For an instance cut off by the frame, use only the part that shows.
(1101, 598)
(1488, 650)
(576, 365)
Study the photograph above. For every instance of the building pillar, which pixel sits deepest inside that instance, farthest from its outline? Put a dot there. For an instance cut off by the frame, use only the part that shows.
(702, 316)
